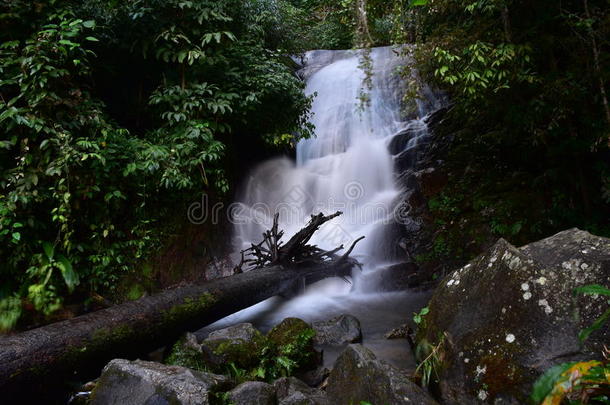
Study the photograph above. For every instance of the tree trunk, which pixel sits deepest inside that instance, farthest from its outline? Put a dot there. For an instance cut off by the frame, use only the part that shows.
(42, 359)
(597, 67)
(506, 24)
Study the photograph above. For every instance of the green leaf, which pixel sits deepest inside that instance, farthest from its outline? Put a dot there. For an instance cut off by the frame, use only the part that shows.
(68, 43)
(418, 3)
(49, 250)
(545, 383)
(285, 362)
(89, 24)
(584, 334)
(68, 273)
(592, 289)
(92, 39)
(16, 236)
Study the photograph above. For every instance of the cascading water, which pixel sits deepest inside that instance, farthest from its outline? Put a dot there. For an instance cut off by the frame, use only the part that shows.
(348, 166)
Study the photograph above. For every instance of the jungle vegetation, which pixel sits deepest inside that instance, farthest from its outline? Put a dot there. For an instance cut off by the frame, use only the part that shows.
(114, 115)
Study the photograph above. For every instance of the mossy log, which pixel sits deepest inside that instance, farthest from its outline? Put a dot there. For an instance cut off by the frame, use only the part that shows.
(40, 359)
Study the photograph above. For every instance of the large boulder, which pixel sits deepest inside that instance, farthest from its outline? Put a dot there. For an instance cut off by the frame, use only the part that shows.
(510, 314)
(253, 393)
(358, 376)
(144, 382)
(338, 331)
(291, 391)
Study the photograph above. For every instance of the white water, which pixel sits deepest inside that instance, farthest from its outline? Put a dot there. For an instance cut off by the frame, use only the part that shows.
(346, 167)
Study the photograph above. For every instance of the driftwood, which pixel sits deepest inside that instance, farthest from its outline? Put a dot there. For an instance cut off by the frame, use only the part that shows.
(43, 359)
(272, 251)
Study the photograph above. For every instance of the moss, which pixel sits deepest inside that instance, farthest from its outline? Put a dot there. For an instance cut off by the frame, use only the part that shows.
(244, 354)
(179, 313)
(101, 337)
(287, 349)
(186, 356)
(135, 292)
(286, 331)
(294, 338)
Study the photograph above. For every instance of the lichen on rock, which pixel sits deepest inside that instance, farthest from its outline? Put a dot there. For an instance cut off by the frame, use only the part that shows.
(512, 312)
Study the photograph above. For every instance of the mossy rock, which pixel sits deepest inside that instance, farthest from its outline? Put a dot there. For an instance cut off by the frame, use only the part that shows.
(289, 332)
(286, 331)
(239, 344)
(187, 352)
(511, 314)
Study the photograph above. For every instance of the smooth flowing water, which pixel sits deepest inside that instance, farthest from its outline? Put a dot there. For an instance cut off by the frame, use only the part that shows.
(347, 166)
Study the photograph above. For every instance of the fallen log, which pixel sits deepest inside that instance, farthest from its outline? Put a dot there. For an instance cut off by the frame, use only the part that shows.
(40, 360)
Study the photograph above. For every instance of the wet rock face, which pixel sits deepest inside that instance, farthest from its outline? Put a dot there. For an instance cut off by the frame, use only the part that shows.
(253, 393)
(511, 314)
(358, 376)
(143, 382)
(338, 331)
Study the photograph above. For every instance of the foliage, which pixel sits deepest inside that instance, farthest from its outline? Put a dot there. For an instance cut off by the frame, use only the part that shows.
(114, 115)
(596, 290)
(182, 354)
(429, 356)
(419, 317)
(283, 360)
(429, 359)
(574, 383)
(530, 107)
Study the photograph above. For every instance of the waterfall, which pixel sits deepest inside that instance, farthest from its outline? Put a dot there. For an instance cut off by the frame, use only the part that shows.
(347, 166)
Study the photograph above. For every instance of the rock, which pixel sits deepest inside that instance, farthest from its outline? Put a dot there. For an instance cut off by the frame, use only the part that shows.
(187, 352)
(401, 276)
(510, 315)
(436, 117)
(240, 333)
(396, 277)
(402, 332)
(431, 181)
(358, 376)
(285, 331)
(291, 391)
(253, 393)
(338, 331)
(314, 378)
(143, 382)
(291, 330)
(239, 344)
